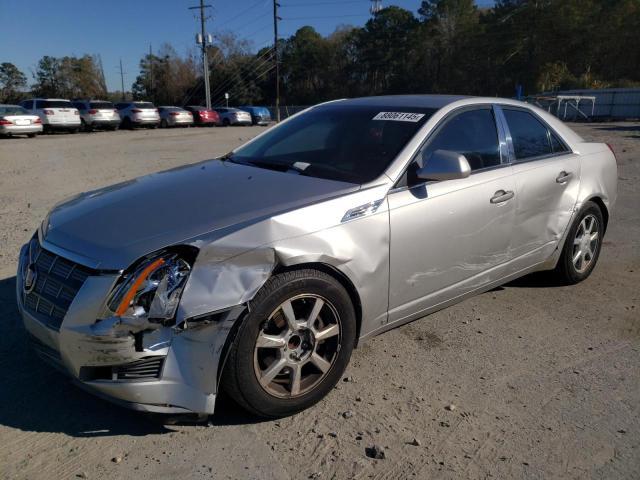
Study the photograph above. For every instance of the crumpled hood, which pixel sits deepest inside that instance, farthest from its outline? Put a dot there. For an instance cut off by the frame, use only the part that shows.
(117, 225)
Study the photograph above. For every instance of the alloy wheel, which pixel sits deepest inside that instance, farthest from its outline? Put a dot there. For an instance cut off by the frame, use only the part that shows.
(585, 243)
(297, 346)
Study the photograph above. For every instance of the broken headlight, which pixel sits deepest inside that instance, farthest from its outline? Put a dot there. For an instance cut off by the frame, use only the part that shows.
(153, 290)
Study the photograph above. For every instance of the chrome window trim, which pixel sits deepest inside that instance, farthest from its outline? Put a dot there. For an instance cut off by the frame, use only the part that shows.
(476, 106)
(550, 130)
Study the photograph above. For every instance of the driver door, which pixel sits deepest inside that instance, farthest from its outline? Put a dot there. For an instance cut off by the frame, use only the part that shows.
(451, 237)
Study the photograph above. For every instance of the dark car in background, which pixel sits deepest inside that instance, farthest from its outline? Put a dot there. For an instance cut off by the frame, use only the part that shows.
(259, 115)
(203, 117)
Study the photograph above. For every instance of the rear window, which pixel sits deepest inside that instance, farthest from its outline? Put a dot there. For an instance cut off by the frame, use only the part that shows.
(98, 105)
(55, 104)
(144, 105)
(13, 110)
(530, 136)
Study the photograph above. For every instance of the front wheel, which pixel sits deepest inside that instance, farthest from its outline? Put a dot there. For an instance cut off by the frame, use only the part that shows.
(582, 246)
(293, 345)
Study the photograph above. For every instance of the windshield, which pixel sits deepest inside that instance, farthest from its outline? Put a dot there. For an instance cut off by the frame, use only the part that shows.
(98, 105)
(13, 110)
(339, 142)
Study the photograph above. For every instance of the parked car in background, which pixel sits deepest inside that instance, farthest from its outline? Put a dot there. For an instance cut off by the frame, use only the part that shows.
(97, 114)
(175, 117)
(15, 120)
(138, 114)
(203, 117)
(259, 115)
(55, 113)
(233, 116)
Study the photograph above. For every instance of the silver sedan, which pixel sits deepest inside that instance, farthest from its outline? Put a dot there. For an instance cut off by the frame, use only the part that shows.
(15, 120)
(258, 273)
(175, 117)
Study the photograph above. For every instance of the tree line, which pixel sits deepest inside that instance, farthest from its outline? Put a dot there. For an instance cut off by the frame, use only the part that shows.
(447, 46)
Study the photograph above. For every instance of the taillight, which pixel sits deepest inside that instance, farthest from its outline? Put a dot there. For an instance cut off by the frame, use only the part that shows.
(174, 114)
(4, 121)
(136, 110)
(48, 112)
(37, 120)
(156, 110)
(93, 111)
(76, 112)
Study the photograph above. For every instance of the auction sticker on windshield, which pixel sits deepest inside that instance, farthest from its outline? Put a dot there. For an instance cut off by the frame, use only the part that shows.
(399, 116)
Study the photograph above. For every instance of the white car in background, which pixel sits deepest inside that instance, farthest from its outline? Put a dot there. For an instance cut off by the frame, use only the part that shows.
(175, 117)
(55, 113)
(97, 114)
(138, 114)
(15, 120)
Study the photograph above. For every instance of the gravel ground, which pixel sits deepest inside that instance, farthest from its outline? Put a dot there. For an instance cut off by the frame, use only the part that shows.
(526, 381)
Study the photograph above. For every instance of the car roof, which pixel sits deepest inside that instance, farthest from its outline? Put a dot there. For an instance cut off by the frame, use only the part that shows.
(425, 101)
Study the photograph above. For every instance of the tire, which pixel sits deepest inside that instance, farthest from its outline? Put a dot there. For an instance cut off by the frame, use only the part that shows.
(226, 122)
(127, 123)
(320, 363)
(85, 127)
(164, 124)
(586, 251)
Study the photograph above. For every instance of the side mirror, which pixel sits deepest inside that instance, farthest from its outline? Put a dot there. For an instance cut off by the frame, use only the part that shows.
(444, 165)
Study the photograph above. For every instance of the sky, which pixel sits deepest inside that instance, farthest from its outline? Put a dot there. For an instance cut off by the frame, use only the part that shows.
(125, 29)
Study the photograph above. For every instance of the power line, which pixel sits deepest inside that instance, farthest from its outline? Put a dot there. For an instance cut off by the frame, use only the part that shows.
(254, 65)
(276, 57)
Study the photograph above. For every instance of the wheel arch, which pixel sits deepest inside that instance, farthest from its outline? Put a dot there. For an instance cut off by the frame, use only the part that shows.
(319, 266)
(603, 208)
(338, 275)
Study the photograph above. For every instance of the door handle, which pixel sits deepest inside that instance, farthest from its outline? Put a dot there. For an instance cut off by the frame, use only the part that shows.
(501, 196)
(563, 177)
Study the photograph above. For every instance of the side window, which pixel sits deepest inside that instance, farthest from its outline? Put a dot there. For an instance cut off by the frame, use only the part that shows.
(39, 104)
(472, 133)
(26, 104)
(530, 136)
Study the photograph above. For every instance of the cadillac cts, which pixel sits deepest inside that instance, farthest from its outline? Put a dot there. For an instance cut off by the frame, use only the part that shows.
(257, 273)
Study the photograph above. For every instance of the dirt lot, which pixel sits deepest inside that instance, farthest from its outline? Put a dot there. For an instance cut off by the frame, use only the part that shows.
(545, 380)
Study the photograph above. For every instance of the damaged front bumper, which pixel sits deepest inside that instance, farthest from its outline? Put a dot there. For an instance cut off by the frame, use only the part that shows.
(165, 370)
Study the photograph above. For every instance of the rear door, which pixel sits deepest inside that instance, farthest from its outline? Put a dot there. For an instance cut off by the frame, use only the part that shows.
(452, 237)
(547, 178)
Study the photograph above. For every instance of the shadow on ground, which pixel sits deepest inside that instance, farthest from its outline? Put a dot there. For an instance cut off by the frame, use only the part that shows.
(35, 397)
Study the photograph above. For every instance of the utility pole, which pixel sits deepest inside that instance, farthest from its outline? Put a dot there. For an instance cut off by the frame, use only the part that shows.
(205, 62)
(276, 56)
(122, 72)
(151, 72)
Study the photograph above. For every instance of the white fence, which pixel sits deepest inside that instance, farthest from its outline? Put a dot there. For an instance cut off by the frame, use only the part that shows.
(612, 103)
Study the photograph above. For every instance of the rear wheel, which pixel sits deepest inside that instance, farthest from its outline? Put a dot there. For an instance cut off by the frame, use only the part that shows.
(582, 246)
(226, 122)
(127, 123)
(163, 123)
(293, 345)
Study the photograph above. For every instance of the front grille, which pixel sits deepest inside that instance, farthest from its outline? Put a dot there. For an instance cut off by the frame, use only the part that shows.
(57, 281)
(149, 367)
